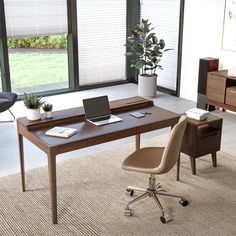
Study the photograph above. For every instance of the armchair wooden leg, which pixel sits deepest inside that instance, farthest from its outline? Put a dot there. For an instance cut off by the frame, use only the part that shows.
(193, 165)
(214, 160)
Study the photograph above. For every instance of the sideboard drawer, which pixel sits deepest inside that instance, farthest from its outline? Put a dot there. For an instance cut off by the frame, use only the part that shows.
(210, 142)
(216, 88)
(231, 96)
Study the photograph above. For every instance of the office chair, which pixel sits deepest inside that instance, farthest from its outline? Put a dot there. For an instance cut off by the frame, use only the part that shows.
(156, 161)
(7, 100)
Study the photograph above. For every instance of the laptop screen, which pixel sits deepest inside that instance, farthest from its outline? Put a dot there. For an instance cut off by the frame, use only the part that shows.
(97, 106)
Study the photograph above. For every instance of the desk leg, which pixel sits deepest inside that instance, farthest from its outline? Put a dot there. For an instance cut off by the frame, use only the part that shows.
(137, 141)
(53, 186)
(22, 164)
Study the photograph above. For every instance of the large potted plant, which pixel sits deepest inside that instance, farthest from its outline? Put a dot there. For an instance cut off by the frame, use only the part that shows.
(147, 52)
(33, 104)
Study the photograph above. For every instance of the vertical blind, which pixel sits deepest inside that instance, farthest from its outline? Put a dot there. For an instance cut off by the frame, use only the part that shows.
(164, 16)
(101, 39)
(35, 17)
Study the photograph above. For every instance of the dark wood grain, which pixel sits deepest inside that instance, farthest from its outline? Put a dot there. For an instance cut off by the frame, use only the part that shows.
(89, 134)
(76, 114)
(218, 90)
(202, 138)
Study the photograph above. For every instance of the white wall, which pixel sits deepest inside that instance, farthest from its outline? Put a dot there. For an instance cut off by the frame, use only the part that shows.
(202, 37)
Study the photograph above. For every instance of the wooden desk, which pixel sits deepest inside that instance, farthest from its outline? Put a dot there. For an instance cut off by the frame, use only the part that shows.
(88, 134)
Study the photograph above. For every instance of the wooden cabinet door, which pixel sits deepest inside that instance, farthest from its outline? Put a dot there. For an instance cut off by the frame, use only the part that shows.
(216, 86)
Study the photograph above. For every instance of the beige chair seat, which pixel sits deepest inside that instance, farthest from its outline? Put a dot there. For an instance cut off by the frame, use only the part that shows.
(156, 161)
(144, 160)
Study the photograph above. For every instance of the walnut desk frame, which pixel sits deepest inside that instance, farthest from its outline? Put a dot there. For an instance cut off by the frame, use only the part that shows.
(88, 134)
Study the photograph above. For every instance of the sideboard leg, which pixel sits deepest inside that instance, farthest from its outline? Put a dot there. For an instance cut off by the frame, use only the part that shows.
(214, 160)
(193, 165)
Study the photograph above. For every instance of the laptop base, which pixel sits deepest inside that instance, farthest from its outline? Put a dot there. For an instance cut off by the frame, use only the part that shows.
(111, 119)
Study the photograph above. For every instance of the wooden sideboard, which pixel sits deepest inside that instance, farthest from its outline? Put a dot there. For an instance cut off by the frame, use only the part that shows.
(221, 90)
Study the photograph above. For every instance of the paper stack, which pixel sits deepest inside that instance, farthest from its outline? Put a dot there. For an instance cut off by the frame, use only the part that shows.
(197, 114)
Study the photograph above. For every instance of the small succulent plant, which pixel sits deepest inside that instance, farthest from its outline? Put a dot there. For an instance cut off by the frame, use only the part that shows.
(32, 101)
(47, 107)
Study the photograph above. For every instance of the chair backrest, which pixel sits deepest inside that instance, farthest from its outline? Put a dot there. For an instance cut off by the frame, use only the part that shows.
(172, 149)
(7, 99)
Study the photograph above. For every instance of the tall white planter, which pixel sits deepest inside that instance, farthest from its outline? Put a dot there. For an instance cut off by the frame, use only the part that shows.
(147, 86)
(33, 114)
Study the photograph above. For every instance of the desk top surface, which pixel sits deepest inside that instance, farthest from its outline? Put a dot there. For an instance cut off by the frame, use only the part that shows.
(159, 118)
(89, 134)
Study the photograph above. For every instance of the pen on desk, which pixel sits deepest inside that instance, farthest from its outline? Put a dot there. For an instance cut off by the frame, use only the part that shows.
(146, 113)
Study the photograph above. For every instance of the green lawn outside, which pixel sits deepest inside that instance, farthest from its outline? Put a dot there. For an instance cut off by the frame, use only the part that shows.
(35, 68)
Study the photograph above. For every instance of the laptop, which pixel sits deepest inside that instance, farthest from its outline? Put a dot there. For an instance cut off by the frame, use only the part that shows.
(97, 111)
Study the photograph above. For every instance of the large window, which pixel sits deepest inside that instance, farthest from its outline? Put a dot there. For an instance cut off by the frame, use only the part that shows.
(164, 16)
(38, 64)
(96, 31)
(101, 40)
(37, 44)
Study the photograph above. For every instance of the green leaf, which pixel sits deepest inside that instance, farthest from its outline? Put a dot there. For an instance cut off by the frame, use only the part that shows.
(169, 49)
(139, 64)
(154, 39)
(150, 36)
(161, 43)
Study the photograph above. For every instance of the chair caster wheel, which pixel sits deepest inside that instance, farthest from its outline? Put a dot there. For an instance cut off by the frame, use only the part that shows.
(129, 192)
(183, 202)
(128, 212)
(166, 218)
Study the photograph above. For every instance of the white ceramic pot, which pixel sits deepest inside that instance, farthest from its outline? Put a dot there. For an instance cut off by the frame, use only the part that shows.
(147, 86)
(33, 114)
(48, 114)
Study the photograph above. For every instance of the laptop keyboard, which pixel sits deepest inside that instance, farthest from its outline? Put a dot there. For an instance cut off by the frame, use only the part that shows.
(100, 118)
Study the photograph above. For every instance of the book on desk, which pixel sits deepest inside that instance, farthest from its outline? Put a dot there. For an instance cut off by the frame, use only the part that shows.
(61, 132)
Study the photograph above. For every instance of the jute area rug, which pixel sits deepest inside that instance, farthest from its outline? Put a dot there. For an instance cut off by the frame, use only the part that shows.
(91, 198)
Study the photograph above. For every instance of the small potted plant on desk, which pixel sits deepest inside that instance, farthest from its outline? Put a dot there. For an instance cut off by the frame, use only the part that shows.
(147, 52)
(33, 104)
(47, 107)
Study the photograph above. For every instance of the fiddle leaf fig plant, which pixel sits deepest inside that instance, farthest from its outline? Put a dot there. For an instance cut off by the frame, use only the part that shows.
(147, 50)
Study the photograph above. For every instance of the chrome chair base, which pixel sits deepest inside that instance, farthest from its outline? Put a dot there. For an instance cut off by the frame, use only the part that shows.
(152, 191)
(13, 118)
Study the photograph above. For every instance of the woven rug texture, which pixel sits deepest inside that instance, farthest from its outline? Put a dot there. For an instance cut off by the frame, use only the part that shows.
(91, 198)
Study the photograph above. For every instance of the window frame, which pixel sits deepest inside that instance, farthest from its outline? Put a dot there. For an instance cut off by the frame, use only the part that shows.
(4, 59)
